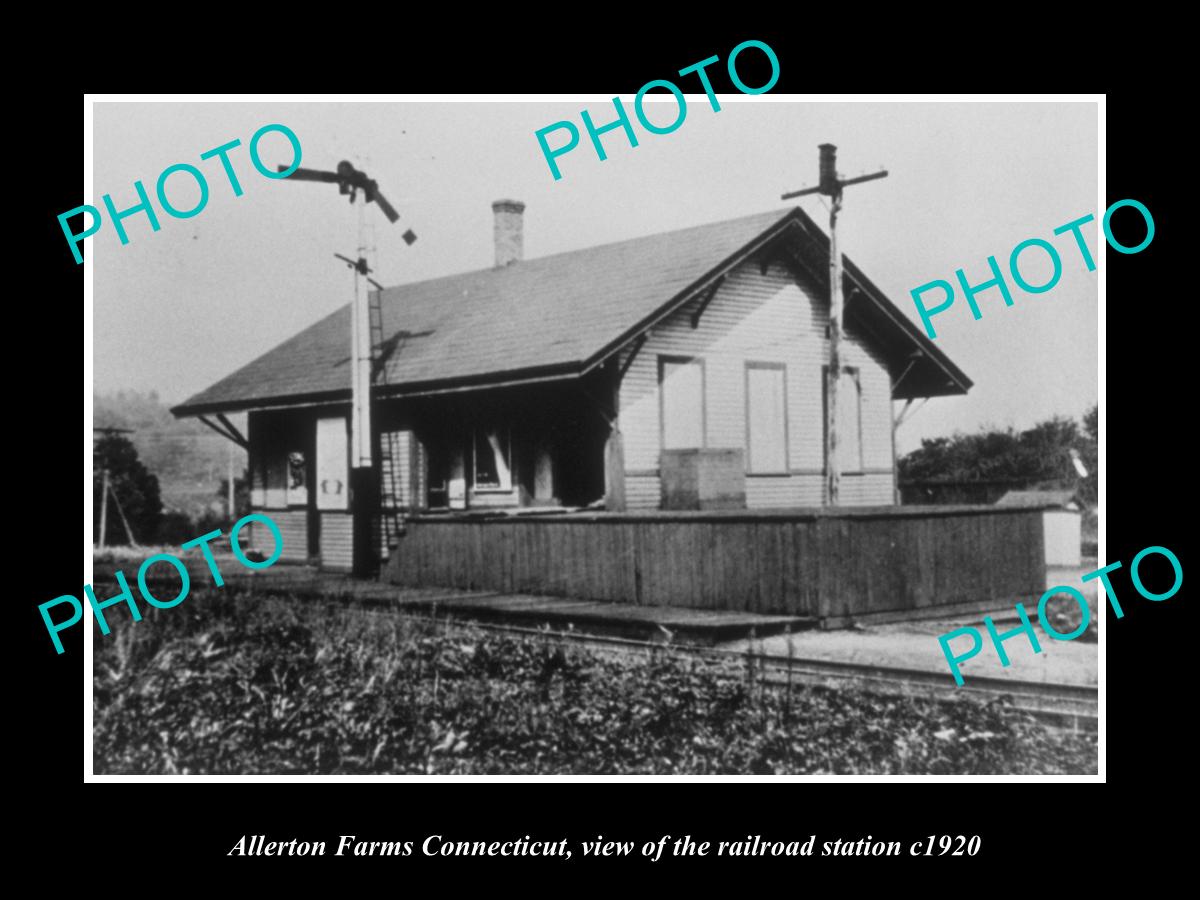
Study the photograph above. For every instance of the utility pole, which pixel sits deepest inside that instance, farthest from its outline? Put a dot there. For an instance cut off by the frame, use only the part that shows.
(229, 506)
(361, 444)
(104, 509)
(831, 186)
(124, 519)
(107, 489)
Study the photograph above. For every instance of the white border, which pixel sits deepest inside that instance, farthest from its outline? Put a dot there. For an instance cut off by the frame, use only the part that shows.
(90, 99)
(88, 418)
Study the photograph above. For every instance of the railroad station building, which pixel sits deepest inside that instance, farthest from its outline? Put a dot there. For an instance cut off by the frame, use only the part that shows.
(680, 371)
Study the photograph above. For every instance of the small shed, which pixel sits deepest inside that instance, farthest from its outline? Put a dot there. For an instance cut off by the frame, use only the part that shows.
(1061, 519)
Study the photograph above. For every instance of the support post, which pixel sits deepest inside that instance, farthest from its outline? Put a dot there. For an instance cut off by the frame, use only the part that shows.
(614, 448)
(833, 472)
(124, 519)
(229, 504)
(360, 427)
(104, 509)
(895, 463)
(365, 497)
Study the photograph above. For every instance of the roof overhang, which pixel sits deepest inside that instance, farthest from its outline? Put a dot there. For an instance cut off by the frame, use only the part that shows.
(292, 401)
(490, 381)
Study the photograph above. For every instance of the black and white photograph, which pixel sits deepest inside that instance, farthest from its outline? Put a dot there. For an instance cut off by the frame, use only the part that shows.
(506, 436)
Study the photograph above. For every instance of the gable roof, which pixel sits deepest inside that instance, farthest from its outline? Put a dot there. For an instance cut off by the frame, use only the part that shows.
(554, 316)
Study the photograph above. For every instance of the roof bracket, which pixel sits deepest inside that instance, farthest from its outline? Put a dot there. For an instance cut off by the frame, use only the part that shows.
(610, 421)
(774, 253)
(232, 434)
(905, 415)
(712, 291)
(793, 259)
(236, 436)
(911, 362)
(632, 356)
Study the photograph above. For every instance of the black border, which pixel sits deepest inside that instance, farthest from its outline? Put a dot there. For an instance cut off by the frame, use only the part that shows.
(1146, 471)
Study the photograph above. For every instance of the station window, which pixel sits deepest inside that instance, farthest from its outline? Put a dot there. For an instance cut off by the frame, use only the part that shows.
(493, 459)
(766, 419)
(681, 393)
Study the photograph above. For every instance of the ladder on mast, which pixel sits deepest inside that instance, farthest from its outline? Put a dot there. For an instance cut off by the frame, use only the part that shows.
(391, 514)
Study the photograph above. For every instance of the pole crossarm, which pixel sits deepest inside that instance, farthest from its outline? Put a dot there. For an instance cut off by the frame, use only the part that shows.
(846, 182)
(800, 193)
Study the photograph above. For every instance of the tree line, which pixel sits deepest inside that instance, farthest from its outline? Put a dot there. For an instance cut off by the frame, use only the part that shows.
(982, 466)
(135, 501)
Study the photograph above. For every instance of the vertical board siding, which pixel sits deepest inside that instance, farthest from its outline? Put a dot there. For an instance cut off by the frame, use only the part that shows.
(764, 318)
(825, 566)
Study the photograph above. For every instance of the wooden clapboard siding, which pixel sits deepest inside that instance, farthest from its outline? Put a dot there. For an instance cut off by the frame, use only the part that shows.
(828, 564)
(778, 492)
(642, 490)
(293, 528)
(765, 318)
(337, 544)
(870, 489)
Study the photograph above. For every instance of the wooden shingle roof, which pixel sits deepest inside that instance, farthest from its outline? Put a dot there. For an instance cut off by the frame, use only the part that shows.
(552, 316)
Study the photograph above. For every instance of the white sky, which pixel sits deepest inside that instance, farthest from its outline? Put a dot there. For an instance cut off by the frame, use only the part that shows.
(177, 309)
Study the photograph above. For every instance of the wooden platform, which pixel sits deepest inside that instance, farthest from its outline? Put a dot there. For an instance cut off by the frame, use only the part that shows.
(656, 623)
(836, 566)
(661, 623)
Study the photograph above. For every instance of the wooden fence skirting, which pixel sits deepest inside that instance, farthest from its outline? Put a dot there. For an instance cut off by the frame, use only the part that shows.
(829, 565)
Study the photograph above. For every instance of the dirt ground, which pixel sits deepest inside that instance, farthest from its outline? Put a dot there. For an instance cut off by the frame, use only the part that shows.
(915, 645)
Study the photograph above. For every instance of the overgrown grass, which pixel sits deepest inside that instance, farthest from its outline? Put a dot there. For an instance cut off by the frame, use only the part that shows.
(230, 683)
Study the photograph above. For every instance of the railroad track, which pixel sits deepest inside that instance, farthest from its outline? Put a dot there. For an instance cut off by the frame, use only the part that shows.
(1059, 705)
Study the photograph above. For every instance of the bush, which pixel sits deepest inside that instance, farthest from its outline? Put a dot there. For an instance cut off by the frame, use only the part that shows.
(138, 503)
(227, 683)
(1039, 457)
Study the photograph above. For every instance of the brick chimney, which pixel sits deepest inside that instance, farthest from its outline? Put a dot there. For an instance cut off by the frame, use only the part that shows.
(508, 231)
